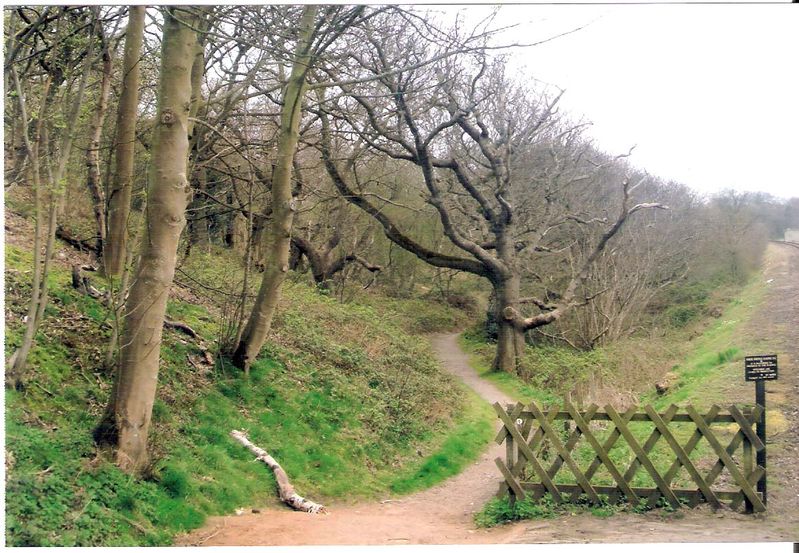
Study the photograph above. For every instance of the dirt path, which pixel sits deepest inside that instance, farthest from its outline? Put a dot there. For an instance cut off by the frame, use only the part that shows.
(443, 514)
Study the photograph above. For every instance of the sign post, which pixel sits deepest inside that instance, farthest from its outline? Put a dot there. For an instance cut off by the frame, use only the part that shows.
(758, 369)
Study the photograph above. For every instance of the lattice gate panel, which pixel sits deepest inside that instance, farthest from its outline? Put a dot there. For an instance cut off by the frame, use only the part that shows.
(676, 456)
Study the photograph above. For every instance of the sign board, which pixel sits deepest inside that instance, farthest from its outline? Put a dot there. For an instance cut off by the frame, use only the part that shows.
(760, 367)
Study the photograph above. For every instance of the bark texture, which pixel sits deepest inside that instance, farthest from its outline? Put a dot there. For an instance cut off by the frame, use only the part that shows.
(168, 196)
(282, 205)
(120, 189)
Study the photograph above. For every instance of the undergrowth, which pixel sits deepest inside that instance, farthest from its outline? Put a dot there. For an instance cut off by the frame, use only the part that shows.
(501, 511)
(350, 403)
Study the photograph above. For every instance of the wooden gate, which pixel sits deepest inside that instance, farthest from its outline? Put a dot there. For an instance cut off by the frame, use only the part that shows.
(674, 456)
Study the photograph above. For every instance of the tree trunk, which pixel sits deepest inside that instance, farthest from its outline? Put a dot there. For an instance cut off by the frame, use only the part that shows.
(168, 195)
(119, 193)
(39, 298)
(16, 362)
(93, 152)
(198, 226)
(510, 338)
(260, 320)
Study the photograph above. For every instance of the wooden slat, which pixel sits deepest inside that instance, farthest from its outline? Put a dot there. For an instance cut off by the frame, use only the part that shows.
(747, 453)
(522, 452)
(757, 504)
(726, 495)
(746, 428)
(511, 481)
(533, 444)
(649, 444)
(733, 445)
(555, 440)
(602, 454)
(503, 435)
(510, 459)
(643, 457)
(570, 444)
(692, 442)
(683, 457)
(538, 437)
(753, 478)
(503, 432)
(525, 450)
(610, 442)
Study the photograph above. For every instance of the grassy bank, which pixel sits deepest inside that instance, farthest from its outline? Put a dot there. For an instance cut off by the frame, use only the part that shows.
(710, 373)
(350, 403)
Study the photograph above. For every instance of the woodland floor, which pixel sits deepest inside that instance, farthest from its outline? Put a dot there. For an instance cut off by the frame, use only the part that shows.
(444, 514)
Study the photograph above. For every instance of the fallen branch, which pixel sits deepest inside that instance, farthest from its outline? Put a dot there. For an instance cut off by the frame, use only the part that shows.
(183, 327)
(286, 490)
(80, 244)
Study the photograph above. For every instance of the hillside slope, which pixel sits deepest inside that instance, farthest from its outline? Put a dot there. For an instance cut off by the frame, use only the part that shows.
(349, 402)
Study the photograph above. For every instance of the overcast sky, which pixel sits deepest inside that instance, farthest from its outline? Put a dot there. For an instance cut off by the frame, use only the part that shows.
(709, 93)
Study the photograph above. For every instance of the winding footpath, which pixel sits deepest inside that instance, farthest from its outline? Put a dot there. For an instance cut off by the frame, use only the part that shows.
(441, 514)
(444, 514)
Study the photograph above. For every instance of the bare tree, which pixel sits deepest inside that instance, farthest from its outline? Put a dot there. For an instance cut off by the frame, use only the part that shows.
(471, 134)
(168, 195)
(93, 173)
(314, 38)
(119, 193)
(41, 158)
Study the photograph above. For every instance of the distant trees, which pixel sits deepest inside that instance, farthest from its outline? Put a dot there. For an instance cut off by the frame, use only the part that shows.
(335, 245)
(291, 134)
(735, 233)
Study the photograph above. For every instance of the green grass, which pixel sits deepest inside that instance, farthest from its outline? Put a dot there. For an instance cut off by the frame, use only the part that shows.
(343, 397)
(713, 364)
(415, 316)
(471, 433)
(548, 372)
(711, 372)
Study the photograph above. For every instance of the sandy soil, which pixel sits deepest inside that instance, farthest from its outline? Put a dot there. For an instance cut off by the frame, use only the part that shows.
(443, 514)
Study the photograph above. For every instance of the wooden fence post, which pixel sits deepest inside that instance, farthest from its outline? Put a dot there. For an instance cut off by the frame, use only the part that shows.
(747, 454)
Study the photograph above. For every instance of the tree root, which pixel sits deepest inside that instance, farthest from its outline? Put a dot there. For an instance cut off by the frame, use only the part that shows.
(285, 489)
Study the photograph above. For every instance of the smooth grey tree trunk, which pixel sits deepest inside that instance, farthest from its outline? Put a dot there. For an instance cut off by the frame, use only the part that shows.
(277, 260)
(119, 193)
(168, 195)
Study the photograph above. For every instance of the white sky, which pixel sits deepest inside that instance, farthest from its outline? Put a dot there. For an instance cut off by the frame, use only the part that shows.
(709, 93)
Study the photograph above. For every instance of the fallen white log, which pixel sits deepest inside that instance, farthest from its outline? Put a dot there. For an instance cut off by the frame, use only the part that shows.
(286, 490)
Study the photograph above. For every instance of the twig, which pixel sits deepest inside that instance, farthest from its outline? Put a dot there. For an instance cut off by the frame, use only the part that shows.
(51, 394)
